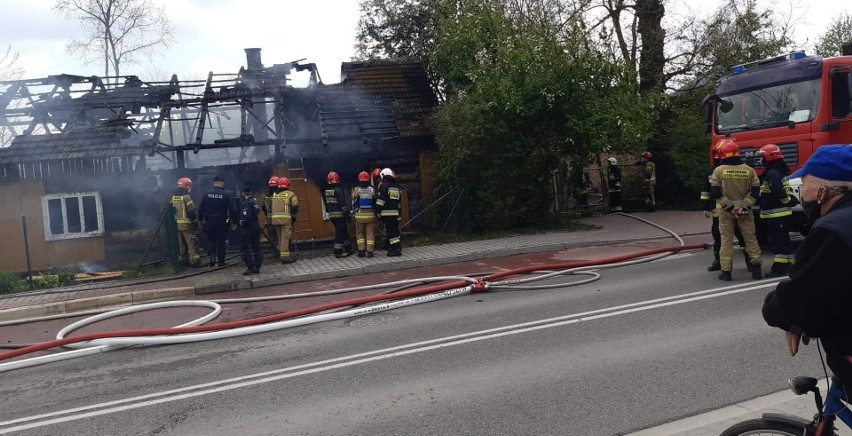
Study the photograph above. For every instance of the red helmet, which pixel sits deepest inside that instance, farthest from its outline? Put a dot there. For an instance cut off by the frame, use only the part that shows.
(363, 176)
(273, 181)
(646, 155)
(185, 182)
(333, 178)
(284, 182)
(728, 148)
(770, 152)
(377, 173)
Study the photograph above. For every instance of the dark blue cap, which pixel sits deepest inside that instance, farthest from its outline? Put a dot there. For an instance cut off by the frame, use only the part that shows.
(829, 162)
(218, 179)
(247, 188)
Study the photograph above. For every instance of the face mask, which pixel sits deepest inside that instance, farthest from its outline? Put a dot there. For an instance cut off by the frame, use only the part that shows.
(812, 210)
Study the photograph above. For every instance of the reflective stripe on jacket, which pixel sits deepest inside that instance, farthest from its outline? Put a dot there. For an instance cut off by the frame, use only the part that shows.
(335, 203)
(363, 199)
(183, 206)
(389, 202)
(283, 204)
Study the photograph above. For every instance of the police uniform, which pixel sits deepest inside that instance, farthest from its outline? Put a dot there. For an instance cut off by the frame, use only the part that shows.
(614, 185)
(388, 207)
(218, 211)
(735, 184)
(363, 201)
(185, 216)
(338, 214)
(250, 233)
(284, 207)
(776, 211)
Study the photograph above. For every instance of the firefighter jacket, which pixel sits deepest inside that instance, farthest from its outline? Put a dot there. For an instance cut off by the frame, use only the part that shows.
(389, 203)
(285, 206)
(267, 201)
(335, 203)
(363, 202)
(735, 184)
(707, 202)
(776, 199)
(249, 212)
(614, 178)
(184, 209)
(216, 206)
(650, 173)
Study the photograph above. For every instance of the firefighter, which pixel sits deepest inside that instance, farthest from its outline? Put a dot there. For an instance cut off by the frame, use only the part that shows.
(285, 206)
(271, 231)
(338, 213)
(711, 210)
(650, 173)
(735, 187)
(388, 206)
(363, 200)
(614, 185)
(187, 223)
(218, 210)
(250, 232)
(776, 208)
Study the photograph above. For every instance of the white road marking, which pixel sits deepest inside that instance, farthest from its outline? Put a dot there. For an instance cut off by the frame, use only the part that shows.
(370, 356)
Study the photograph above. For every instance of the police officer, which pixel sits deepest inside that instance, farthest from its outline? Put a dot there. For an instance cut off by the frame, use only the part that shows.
(186, 222)
(217, 211)
(614, 185)
(363, 200)
(338, 213)
(735, 187)
(285, 206)
(250, 232)
(388, 206)
(711, 210)
(650, 174)
(776, 208)
(271, 231)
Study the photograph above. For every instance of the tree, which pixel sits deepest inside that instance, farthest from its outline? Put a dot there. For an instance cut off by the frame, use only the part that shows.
(8, 71)
(117, 31)
(838, 33)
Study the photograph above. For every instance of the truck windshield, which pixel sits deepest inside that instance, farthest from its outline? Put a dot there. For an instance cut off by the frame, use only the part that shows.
(768, 107)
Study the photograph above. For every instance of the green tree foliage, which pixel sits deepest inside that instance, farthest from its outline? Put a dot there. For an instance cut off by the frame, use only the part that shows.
(522, 103)
(838, 33)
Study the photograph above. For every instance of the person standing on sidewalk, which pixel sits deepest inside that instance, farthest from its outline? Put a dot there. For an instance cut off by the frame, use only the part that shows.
(650, 173)
(776, 208)
(735, 187)
(285, 206)
(338, 213)
(363, 200)
(271, 231)
(218, 210)
(187, 223)
(816, 297)
(250, 232)
(711, 210)
(613, 178)
(388, 207)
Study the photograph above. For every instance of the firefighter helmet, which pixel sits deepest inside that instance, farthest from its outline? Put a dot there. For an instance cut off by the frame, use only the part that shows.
(647, 155)
(333, 178)
(770, 152)
(387, 172)
(284, 182)
(728, 148)
(184, 182)
(377, 172)
(273, 181)
(363, 176)
(613, 161)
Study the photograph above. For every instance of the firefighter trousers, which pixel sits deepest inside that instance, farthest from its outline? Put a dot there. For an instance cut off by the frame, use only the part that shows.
(188, 241)
(284, 233)
(365, 235)
(615, 200)
(717, 240)
(650, 196)
(728, 224)
(392, 229)
(778, 236)
(341, 236)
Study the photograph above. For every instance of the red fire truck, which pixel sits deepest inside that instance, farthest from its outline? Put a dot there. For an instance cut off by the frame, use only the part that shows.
(796, 101)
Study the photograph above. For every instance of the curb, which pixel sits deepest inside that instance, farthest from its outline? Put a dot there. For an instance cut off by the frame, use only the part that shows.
(135, 297)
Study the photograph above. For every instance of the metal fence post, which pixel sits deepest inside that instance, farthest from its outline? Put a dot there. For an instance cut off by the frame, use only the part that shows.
(27, 249)
(172, 237)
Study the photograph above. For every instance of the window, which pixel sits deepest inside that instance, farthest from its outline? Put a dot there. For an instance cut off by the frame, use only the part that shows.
(68, 216)
(841, 94)
(768, 107)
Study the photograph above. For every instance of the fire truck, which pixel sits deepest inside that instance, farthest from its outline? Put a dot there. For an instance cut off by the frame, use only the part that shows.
(796, 101)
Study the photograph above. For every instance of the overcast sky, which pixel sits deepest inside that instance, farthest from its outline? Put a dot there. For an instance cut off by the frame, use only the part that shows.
(211, 34)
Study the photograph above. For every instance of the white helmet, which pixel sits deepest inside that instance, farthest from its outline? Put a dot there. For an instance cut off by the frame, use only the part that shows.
(387, 172)
(612, 161)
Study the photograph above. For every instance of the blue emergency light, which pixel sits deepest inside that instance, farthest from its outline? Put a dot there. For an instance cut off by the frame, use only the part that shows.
(739, 69)
(798, 54)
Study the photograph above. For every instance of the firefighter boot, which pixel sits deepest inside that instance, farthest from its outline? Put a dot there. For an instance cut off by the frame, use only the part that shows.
(756, 272)
(395, 251)
(777, 270)
(715, 266)
(338, 253)
(726, 276)
(369, 255)
(362, 253)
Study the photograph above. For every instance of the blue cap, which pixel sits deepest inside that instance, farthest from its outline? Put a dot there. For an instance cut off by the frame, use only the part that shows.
(829, 162)
(218, 179)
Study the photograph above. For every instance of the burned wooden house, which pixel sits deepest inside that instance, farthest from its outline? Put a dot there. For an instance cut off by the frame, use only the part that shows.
(88, 163)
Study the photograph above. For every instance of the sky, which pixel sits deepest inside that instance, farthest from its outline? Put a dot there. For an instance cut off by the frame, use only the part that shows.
(211, 35)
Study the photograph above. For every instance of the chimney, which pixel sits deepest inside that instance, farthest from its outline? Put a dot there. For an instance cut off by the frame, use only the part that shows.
(253, 59)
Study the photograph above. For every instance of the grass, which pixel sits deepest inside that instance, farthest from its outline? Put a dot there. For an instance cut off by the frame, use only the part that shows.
(149, 271)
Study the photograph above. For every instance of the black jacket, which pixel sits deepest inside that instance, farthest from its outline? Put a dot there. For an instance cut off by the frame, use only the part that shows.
(217, 205)
(775, 200)
(249, 212)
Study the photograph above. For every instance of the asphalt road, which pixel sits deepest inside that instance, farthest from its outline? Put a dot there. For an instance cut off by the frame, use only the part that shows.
(641, 346)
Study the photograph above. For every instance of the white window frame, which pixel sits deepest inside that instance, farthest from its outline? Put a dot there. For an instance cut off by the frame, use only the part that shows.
(48, 235)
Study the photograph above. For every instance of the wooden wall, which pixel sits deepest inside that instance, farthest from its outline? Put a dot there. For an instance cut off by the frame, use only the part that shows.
(24, 199)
